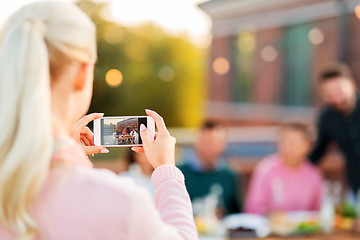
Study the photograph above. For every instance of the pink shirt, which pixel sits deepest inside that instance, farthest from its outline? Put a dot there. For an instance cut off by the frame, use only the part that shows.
(82, 203)
(276, 187)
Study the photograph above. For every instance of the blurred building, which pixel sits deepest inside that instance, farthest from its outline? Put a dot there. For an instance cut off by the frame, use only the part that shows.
(265, 56)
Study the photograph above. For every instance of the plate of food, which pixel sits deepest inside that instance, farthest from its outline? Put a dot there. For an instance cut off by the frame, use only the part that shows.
(294, 223)
(246, 226)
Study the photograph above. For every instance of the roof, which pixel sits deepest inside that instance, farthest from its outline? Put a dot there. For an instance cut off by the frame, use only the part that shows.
(229, 16)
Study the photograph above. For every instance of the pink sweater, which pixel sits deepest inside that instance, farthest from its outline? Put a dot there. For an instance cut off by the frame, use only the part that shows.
(81, 203)
(276, 187)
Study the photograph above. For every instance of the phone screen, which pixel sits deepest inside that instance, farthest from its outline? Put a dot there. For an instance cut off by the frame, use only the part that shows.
(121, 131)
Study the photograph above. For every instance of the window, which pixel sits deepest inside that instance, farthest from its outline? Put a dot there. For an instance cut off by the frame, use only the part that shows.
(297, 61)
(244, 64)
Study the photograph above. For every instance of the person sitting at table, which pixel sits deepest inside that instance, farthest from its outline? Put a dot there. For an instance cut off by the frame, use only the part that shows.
(136, 139)
(286, 181)
(118, 132)
(128, 130)
(127, 135)
(206, 171)
(140, 170)
(133, 133)
(114, 135)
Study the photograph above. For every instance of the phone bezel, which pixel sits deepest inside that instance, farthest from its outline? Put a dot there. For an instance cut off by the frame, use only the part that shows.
(97, 130)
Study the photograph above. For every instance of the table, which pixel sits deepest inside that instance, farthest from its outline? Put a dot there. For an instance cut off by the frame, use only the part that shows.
(337, 235)
(126, 138)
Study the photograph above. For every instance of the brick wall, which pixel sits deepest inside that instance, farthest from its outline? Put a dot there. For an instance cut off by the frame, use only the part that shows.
(354, 47)
(324, 53)
(268, 81)
(268, 75)
(219, 85)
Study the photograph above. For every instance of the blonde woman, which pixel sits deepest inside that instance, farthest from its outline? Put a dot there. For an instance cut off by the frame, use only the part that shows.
(48, 189)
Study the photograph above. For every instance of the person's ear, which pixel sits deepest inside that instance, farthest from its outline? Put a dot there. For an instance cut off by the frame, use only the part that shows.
(81, 76)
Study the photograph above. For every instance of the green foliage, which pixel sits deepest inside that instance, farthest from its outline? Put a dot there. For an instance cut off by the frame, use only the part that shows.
(306, 228)
(144, 55)
(348, 210)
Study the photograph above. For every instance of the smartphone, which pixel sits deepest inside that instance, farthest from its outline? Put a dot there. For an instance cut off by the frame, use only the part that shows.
(121, 131)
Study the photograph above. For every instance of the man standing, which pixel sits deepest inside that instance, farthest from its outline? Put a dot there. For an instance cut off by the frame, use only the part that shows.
(206, 173)
(340, 120)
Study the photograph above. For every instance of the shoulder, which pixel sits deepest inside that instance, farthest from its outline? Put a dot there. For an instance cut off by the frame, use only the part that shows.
(326, 110)
(267, 168)
(313, 171)
(227, 175)
(268, 164)
(228, 171)
(326, 114)
(97, 178)
(184, 167)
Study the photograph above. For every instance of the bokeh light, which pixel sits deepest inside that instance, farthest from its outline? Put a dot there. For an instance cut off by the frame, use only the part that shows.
(357, 11)
(113, 77)
(166, 73)
(269, 54)
(221, 65)
(246, 42)
(316, 36)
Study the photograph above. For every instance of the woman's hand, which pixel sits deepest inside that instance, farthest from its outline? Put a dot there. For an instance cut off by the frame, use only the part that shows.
(160, 151)
(82, 134)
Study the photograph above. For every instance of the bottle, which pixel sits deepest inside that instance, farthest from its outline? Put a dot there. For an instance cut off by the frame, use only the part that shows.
(327, 212)
(205, 213)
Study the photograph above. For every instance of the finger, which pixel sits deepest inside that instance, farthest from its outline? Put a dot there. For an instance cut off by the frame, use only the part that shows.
(138, 149)
(159, 121)
(145, 136)
(86, 119)
(85, 141)
(87, 133)
(90, 150)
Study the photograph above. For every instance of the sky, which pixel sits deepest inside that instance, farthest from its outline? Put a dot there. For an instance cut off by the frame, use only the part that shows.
(174, 16)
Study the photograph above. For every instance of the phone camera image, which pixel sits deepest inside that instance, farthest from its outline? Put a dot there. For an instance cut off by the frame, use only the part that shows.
(121, 131)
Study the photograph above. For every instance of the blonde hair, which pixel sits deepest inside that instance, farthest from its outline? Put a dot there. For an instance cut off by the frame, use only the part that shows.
(36, 43)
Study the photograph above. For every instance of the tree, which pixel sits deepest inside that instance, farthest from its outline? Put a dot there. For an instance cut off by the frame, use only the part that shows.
(160, 71)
